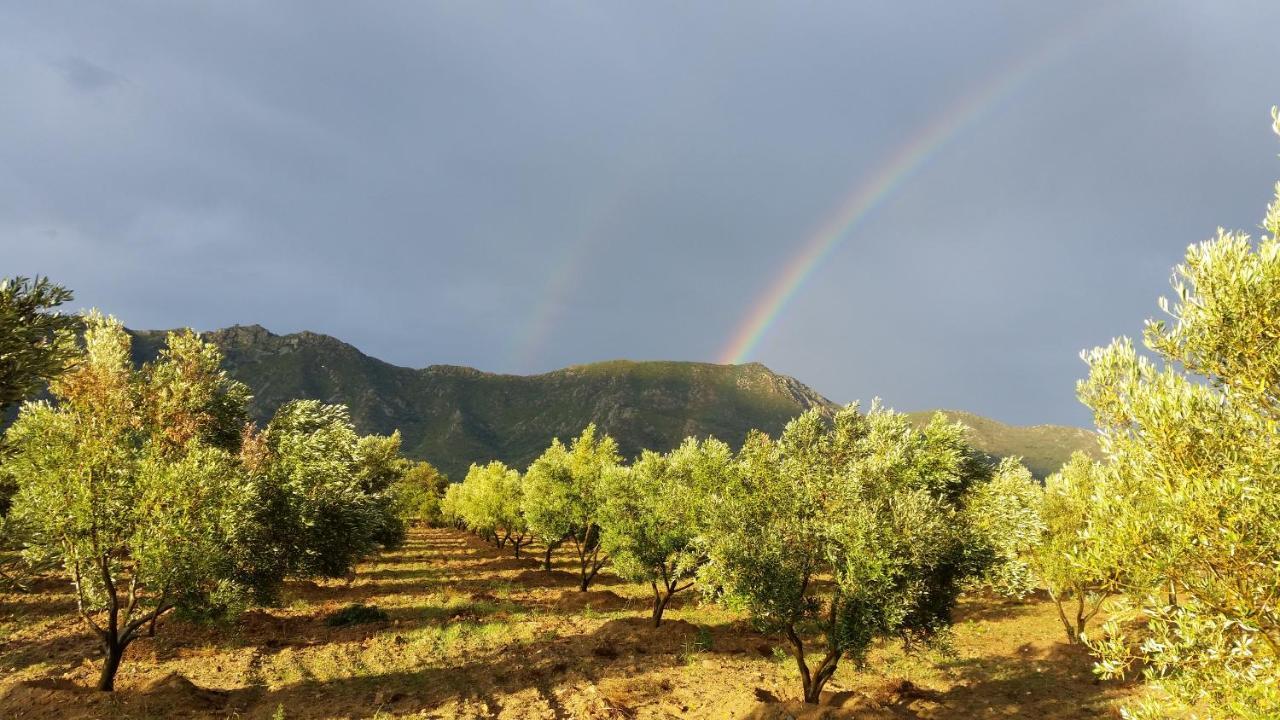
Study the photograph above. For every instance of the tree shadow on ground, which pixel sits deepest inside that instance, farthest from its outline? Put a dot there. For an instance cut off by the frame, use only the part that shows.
(1043, 683)
(991, 608)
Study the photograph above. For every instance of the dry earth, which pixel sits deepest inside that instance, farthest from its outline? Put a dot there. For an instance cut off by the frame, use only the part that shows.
(476, 633)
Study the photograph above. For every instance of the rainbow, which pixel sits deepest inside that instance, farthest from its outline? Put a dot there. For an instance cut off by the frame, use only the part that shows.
(557, 292)
(905, 162)
(551, 303)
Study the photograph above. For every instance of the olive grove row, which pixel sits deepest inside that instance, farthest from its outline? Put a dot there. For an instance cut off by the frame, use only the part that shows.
(848, 528)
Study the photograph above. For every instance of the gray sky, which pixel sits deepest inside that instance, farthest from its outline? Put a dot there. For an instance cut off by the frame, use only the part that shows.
(522, 186)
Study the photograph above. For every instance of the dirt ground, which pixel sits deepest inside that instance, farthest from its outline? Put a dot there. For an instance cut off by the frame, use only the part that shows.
(474, 633)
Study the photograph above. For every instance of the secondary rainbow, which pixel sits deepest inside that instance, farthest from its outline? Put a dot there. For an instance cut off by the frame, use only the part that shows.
(887, 178)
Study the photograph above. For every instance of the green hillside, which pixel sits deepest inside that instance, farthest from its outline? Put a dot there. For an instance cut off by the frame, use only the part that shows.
(1043, 448)
(454, 416)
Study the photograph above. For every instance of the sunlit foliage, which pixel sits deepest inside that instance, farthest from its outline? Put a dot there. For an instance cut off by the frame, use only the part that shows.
(489, 502)
(142, 514)
(850, 529)
(651, 515)
(329, 511)
(1005, 516)
(37, 342)
(1188, 503)
(417, 495)
(562, 498)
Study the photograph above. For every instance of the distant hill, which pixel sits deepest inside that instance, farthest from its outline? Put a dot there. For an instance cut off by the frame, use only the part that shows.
(1043, 448)
(454, 416)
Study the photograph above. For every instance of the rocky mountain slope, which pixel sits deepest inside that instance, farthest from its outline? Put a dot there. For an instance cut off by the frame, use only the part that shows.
(454, 416)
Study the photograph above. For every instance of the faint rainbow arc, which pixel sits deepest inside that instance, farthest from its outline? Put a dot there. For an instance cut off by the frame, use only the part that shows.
(550, 303)
(888, 177)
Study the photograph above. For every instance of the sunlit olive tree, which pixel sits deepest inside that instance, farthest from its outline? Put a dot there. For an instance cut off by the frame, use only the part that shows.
(378, 467)
(1004, 513)
(144, 518)
(1189, 497)
(1063, 561)
(849, 529)
(511, 520)
(478, 500)
(189, 398)
(562, 498)
(650, 516)
(451, 507)
(489, 504)
(548, 502)
(328, 512)
(418, 494)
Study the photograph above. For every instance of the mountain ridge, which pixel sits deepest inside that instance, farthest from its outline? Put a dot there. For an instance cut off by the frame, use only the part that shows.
(454, 415)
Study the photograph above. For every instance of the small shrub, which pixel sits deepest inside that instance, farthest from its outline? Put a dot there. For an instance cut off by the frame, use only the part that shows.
(356, 614)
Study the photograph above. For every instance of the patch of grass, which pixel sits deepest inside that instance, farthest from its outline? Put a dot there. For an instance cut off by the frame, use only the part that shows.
(781, 656)
(704, 641)
(356, 614)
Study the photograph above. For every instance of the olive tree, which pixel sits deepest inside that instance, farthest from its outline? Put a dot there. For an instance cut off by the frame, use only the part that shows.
(1188, 500)
(562, 498)
(451, 506)
(489, 503)
(850, 529)
(328, 512)
(37, 342)
(511, 519)
(189, 398)
(1004, 513)
(548, 500)
(479, 499)
(650, 516)
(1067, 509)
(378, 467)
(141, 524)
(418, 494)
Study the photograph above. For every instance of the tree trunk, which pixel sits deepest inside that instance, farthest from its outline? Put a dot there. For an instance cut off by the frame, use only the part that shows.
(797, 651)
(813, 683)
(660, 601)
(114, 652)
(1062, 616)
(591, 565)
(546, 557)
(1080, 618)
(589, 559)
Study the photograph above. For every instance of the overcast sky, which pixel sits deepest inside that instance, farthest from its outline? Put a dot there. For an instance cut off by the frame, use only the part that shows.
(522, 186)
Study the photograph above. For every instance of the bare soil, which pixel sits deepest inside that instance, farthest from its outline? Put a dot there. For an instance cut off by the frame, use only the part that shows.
(474, 633)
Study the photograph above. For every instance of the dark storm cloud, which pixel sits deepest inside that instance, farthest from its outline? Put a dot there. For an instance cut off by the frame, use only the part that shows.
(86, 76)
(523, 186)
